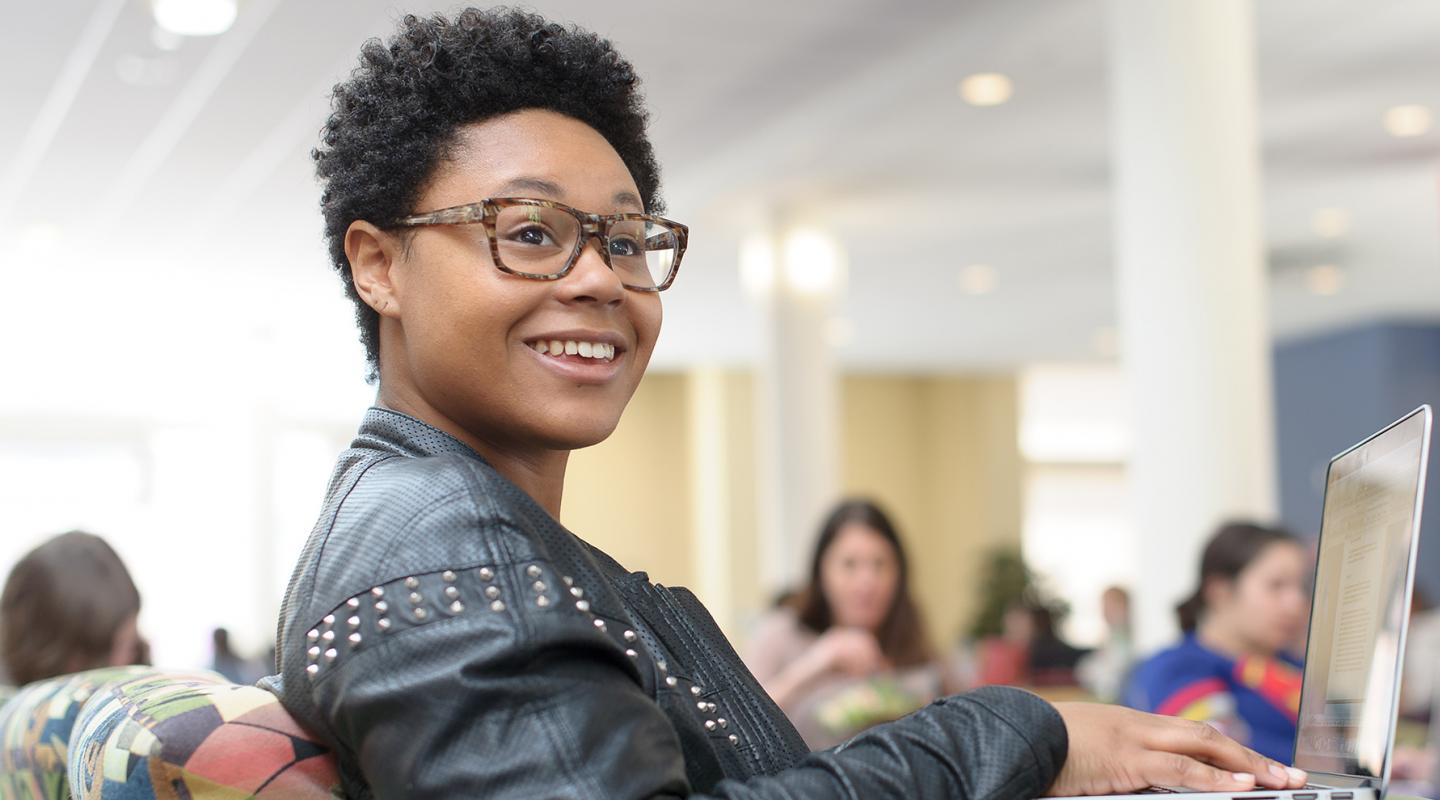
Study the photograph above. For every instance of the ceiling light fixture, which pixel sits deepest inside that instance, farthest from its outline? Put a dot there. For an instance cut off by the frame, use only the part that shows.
(1404, 122)
(1325, 280)
(194, 17)
(978, 279)
(1330, 223)
(986, 89)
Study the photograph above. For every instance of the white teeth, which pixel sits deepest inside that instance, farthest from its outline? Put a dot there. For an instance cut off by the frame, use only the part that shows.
(596, 350)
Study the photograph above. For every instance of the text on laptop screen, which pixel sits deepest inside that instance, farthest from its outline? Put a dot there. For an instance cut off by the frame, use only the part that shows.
(1351, 670)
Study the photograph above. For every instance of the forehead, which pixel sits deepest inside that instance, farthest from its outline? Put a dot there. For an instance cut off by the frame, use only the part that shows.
(534, 153)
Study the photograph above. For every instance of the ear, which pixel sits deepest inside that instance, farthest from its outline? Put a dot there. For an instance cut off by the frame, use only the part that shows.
(1217, 591)
(373, 255)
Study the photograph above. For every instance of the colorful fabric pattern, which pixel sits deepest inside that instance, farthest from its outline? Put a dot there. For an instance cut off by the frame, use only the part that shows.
(141, 733)
(35, 730)
(1254, 700)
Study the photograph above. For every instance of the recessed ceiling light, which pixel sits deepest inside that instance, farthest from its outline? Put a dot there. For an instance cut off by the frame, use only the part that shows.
(978, 279)
(194, 17)
(986, 89)
(1330, 223)
(1325, 280)
(1404, 122)
(812, 262)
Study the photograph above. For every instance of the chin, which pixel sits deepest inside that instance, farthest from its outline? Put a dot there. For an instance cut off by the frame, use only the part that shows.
(575, 434)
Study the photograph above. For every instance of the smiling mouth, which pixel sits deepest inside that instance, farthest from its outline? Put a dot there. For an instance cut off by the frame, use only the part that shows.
(562, 348)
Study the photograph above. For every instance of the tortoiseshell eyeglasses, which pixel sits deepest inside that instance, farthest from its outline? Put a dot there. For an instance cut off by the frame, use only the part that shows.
(541, 239)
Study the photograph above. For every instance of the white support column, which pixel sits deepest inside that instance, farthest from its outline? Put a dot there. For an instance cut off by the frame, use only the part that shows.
(794, 278)
(1191, 283)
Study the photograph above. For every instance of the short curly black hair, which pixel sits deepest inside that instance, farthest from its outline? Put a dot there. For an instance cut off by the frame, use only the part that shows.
(398, 114)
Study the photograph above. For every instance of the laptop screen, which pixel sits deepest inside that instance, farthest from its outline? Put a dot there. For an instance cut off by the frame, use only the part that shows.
(1362, 580)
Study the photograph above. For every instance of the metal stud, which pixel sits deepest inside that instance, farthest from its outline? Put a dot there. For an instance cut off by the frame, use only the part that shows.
(701, 705)
(328, 636)
(378, 591)
(451, 593)
(381, 607)
(600, 623)
(416, 598)
(577, 591)
(498, 605)
(583, 605)
(709, 724)
(569, 581)
(492, 592)
(696, 690)
(533, 571)
(353, 622)
(313, 652)
(632, 654)
(312, 669)
(331, 654)
(384, 624)
(734, 739)
(630, 636)
(329, 619)
(421, 613)
(723, 723)
(456, 607)
(312, 635)
(542, 601)
(353, 603)
(662, 665)
(487, 574)
(539, 586)
(411, 583)
(447, 576)
(354, 638)
(671, 681)
(711, 708)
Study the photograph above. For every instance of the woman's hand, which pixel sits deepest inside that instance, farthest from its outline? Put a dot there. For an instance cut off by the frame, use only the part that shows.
(850, 651)
(1114, 749)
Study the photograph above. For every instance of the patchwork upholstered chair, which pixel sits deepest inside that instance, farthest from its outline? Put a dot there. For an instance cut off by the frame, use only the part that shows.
(136, 732)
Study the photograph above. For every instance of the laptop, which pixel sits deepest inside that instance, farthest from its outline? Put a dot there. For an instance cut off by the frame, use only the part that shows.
(1364, 574)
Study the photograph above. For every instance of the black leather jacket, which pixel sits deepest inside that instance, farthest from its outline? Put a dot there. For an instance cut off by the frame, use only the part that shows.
(451, 639)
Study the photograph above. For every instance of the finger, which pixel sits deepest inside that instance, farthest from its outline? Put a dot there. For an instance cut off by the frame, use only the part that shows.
(1203, 742)
(1173, 769)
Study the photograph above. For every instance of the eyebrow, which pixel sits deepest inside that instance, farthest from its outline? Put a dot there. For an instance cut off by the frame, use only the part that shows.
(552, 190)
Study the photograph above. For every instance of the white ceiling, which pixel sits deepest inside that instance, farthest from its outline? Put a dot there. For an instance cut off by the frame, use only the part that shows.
(170, 221)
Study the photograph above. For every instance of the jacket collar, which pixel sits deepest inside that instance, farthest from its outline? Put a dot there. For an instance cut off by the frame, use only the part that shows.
(402, 434)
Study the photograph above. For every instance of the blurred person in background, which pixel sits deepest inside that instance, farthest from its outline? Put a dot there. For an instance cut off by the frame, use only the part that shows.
(1105, 670)
(224, 660)
(69, 605)
(850, 650)
(1232, 669)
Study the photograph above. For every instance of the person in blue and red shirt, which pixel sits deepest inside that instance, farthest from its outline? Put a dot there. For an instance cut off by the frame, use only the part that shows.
(1233, 669)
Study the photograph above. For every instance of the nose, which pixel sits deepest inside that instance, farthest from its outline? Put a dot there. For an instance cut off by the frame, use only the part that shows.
(591, 279)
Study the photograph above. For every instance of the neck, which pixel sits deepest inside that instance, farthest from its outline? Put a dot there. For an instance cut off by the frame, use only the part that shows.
(540, 473)
(1223, 639)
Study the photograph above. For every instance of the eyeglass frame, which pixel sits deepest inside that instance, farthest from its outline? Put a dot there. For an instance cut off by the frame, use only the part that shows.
(592, 226)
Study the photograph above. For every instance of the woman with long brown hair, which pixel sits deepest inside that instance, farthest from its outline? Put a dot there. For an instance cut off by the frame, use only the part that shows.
(850, 651)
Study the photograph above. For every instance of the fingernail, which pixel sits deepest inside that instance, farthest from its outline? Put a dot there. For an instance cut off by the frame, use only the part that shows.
(1243, 777)
(1279, 772)
(1297, 775)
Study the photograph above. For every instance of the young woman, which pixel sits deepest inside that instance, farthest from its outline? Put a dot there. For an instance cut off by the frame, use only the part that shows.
(1232, 669)
(851, 651)
(69, 605)
(490, 200)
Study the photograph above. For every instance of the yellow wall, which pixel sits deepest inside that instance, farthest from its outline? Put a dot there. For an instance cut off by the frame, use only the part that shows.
(939, 452)
(630, 494)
